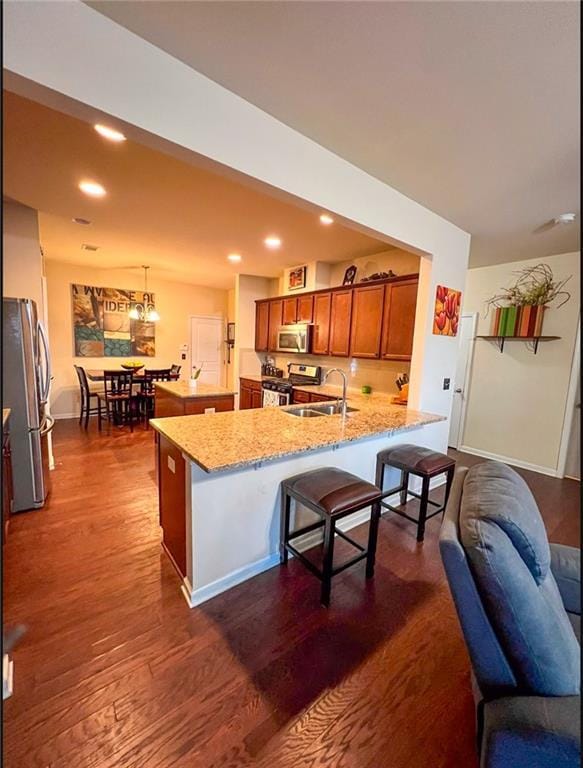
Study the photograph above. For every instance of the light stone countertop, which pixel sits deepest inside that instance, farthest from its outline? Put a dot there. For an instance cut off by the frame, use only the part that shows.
(183, 390)
(5, 415)
(237, 439)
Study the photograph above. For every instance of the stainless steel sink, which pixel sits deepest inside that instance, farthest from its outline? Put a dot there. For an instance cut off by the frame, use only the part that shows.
(309, 412)
(305, 413)
(332, 409)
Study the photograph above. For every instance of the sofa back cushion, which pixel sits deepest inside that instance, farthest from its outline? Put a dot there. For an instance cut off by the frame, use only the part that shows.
(506, 544)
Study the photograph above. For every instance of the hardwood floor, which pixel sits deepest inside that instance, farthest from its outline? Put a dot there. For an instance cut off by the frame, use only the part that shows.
(116, 670)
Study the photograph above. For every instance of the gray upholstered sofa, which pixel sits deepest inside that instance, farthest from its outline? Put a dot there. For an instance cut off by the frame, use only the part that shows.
(518, 602)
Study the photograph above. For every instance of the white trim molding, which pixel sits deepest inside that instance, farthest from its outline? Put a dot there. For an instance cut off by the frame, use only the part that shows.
(195, 597)
(551, 471)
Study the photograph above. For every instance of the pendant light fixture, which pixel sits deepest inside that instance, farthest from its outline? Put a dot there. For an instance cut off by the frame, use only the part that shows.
(145, 312)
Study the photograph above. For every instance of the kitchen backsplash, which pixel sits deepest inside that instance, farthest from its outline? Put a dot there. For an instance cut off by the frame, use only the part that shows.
(378, 374)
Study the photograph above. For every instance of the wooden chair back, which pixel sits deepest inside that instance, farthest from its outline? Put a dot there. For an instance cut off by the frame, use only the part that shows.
(83, 381)
(150, 376)
(118, 384)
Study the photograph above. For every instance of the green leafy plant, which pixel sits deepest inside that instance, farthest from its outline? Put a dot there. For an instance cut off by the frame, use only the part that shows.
(196, 372)
(535, 286)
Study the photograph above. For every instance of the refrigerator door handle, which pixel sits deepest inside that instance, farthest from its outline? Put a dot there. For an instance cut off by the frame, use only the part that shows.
(46, 375)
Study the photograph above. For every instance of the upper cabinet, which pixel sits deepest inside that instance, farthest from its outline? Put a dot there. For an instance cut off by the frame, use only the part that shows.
(262, 326)
(340, 314)
(275, 322)
(399, 320)
(371, 320)
(367, 320)
(321, 335)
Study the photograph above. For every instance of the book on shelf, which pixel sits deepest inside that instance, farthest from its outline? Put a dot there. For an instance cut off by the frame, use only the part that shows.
(495, 322)
(538, 325)
(503, 321)
(511, 321)
(524, 320)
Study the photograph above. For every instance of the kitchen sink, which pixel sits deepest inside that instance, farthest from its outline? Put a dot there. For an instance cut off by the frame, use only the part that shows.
(309, 412)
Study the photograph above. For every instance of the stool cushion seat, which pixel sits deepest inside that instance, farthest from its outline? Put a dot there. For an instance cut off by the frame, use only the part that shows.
(332, 490)
(416, 459)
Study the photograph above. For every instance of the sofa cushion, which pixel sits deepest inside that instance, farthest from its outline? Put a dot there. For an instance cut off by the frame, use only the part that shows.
(505, 541)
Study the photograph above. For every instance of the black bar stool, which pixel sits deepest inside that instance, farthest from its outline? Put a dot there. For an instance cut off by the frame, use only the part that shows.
(423, 463)
(332, 494)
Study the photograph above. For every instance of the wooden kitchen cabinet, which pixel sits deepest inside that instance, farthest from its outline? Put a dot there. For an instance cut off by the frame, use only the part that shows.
(250, 394)
(367, 321)
(305, 309)
(171, 469)
(340, 315)
(262, 326)
(290, 309)
(321, 338)
(275, 322)
(399, 319)
(299, 396)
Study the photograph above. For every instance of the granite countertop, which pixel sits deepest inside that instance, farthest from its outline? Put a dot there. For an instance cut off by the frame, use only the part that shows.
(183, 390)
(237, 439)
(5, 415)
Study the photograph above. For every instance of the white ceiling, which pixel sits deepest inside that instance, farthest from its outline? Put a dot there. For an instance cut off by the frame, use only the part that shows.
(180, 219)
(470, 108)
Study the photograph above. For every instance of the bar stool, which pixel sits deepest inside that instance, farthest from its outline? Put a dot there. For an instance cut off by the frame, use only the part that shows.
(423, 463)
(332, 494)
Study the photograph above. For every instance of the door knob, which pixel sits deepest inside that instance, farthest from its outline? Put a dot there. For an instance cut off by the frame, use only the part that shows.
(458, 390)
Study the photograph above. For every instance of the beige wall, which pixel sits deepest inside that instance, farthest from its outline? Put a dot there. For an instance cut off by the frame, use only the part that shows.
(400, 261)
(175, 302)
(22, 262)
(517, 400)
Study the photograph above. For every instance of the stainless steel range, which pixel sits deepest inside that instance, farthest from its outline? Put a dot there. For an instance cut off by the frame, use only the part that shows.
(278, 392)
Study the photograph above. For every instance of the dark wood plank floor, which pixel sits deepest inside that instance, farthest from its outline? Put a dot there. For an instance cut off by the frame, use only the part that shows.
(116, 670)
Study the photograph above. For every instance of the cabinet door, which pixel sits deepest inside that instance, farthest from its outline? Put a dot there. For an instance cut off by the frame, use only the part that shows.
(305, 309)
(290, 311)
(321, 398)
(244, 398)
(275, 317)
(300, 397)
(256, 398)
(399, 320)
(321, 341)
(367, 321)
(261, 326)
(340, 323)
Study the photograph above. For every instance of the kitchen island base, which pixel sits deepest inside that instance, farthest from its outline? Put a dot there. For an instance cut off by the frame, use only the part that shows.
(231, 519)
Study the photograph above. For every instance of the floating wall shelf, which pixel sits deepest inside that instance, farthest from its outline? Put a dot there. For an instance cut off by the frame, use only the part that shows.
(532, 341)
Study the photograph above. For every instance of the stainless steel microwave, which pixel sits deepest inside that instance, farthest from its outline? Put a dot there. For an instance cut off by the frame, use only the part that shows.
(295, 338)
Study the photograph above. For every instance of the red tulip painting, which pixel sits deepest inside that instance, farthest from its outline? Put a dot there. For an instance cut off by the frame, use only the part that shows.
(447, 311)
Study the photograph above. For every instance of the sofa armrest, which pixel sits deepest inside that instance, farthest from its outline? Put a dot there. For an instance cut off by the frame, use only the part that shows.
(566, 568)
(528, 731)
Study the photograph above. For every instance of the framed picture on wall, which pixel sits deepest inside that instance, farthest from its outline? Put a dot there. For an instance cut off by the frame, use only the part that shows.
(296, 278)
(349, 275)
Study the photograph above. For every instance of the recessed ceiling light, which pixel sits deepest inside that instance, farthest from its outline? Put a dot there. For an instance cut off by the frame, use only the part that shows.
(109, 133)
(92, 188)
(89, 247)
(79, 220)
(272, 241)
(565, 218)
(234, 257)
(326, 219)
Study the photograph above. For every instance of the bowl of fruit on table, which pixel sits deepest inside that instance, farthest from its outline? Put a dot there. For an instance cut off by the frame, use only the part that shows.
(132, 365)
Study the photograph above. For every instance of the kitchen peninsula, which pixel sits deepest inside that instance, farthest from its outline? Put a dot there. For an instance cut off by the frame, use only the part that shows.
(179, 398)
(219, 477)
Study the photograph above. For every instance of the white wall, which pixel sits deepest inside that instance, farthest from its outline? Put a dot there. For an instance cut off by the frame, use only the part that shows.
(60, 46)
(517, 400)
(22, 262)
(175, 302)
(247, 290)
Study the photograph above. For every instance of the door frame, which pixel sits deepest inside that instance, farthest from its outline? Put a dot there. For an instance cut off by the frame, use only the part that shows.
(467, 378)
(221, 350)
(570, 403)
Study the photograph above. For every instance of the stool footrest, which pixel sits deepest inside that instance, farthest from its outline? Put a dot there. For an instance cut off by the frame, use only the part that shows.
(313, 568)
(408, 517)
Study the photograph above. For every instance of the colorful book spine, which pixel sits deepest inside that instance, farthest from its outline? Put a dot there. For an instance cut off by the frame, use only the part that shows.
(510, 321)
(495, 322)
(503, 321)
(532, 321)
(538, 326)
(524, 320)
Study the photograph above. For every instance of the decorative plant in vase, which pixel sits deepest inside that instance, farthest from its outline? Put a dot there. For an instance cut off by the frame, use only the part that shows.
(195, 375)
(520, 307)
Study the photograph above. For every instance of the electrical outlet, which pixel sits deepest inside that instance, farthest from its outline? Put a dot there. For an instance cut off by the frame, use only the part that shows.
(446, 383)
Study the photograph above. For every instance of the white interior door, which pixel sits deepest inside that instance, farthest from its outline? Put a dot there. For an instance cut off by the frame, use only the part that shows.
(467, 330)
(206, 348)
(573, 462)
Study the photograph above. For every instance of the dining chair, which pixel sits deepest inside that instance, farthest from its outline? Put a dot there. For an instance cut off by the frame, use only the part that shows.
(120, 402)
(86, 393)
(147, 391)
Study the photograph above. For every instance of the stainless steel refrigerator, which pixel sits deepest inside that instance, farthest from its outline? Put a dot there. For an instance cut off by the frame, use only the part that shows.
(26, 380)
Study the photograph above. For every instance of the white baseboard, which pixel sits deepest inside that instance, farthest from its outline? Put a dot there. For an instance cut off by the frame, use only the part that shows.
(551, 471)
(195, 597)
(59, 416)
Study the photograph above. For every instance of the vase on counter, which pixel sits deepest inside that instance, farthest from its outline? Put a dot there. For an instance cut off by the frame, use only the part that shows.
(192, 383)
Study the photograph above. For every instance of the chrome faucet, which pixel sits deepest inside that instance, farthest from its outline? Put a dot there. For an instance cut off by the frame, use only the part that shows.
(344, 382)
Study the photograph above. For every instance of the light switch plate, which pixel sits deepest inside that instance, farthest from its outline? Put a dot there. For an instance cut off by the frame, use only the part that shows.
(446, 383)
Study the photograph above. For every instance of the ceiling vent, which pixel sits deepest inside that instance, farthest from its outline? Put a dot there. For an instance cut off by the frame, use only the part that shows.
(89, 247)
